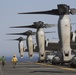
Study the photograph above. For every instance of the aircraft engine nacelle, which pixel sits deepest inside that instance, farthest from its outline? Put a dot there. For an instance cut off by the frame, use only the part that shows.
(30, 46)
(41, 44)
(21, 48)
(30, 53)
(73, 37)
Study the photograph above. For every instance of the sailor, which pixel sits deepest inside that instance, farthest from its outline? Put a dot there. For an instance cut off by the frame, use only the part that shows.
(14, 60)
(3, 60)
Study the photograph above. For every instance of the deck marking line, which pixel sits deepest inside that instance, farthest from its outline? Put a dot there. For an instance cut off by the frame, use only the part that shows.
(64, 68)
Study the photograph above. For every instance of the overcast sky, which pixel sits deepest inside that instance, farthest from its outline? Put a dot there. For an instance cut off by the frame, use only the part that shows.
(9, 17)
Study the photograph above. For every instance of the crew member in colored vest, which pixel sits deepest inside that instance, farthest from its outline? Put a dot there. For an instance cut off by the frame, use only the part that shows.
(14, 60)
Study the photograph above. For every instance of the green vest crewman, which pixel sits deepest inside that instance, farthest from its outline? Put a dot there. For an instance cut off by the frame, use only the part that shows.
(3, 60)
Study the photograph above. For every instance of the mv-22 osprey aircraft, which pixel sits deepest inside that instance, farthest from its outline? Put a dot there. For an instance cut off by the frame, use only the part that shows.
(20, 45)
(40, 38)
(63, 12)
(29, 42)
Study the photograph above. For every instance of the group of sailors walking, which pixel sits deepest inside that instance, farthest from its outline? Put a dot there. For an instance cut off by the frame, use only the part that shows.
(14, 61)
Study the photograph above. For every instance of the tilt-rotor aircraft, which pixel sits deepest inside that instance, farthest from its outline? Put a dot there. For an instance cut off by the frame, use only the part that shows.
(20, 45)
(63, 12)
(40, 38)
(29, 41)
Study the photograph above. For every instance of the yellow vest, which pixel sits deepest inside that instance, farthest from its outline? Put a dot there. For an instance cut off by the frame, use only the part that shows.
(14, 59)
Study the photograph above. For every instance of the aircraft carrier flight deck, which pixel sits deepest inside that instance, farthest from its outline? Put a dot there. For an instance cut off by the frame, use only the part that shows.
(31, 68)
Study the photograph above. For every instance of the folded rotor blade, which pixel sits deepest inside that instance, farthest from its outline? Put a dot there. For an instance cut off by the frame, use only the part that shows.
(51, 12)
(50, 32)
(49, 25)
(16, 34)
(30, 26)
(73, 23)
(12, 39)
(35, 26)
(73, 11)
(17, 39)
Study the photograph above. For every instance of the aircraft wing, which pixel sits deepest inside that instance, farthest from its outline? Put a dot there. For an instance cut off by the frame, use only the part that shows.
(50, 47)
(54, 46)
(35, 50)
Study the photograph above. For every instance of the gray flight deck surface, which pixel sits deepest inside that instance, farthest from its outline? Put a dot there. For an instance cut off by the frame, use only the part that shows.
(30, 68)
